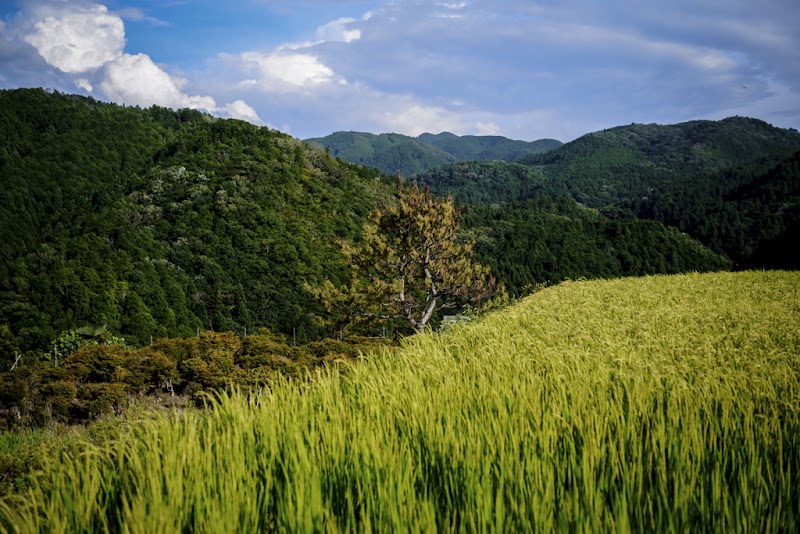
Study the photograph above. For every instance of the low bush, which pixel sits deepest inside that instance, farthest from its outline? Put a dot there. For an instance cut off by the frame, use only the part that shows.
(99, 379)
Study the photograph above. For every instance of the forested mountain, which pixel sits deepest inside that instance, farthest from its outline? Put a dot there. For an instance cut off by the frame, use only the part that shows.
(543, 241)
(487, 147)
(619, 165)
(392, 153)
(389, 153)
(732, 184)
(160, 223)
(485, 182)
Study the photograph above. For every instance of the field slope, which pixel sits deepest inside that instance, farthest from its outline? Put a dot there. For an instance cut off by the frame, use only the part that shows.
(667, 403)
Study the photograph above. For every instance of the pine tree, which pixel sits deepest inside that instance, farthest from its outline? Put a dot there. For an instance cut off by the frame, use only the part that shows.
(410, 264)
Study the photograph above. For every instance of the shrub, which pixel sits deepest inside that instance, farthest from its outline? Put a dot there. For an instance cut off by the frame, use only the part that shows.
(55, 400)
(96, 399)
(269, 351)
(149, 368)
(95, 363)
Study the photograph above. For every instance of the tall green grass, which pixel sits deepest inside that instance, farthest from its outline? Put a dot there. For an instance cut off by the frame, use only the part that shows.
(660, 403)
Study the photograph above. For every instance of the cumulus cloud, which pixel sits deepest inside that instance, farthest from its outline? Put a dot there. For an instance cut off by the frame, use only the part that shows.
(76, 38)
(284, 71)
(86, 42)
(136, 80)
(239, 109)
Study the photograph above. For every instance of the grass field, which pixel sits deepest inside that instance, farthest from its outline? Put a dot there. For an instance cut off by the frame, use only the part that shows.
(659, 403)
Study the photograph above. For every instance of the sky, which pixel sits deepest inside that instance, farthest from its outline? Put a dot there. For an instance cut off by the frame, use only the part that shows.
(524, 69)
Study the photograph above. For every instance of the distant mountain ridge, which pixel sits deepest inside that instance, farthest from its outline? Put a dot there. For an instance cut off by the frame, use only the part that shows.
(487, 147)
(392, 153)
(389, 152)
(733, 184)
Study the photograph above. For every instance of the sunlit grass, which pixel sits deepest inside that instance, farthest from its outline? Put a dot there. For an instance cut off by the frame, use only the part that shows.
(660, 403)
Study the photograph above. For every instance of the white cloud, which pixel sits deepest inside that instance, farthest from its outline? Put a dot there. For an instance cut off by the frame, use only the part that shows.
(239, 109)
(410, 118)
(285, 72)
(297, 46)
(338, 30)
(75, 38)
(86, 42)
(137, 15)
(416, 119)
(136, 80)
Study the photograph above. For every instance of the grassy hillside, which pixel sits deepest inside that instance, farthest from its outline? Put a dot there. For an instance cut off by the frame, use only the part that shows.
(658, 403)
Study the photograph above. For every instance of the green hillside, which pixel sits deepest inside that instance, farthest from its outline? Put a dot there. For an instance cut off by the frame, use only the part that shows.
(389, 153)
(732, 184)
(393, 153)
(484, 182)
(657, 404)
(159, 223)
(537, 241)
(487, 147)
(628, 162)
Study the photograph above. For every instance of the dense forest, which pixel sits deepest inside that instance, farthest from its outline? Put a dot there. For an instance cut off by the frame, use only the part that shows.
(393, 153)
(538, 241)
(157, 223)
(732, 184)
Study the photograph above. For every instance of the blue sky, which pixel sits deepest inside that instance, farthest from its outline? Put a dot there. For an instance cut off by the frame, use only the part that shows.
(524, 69)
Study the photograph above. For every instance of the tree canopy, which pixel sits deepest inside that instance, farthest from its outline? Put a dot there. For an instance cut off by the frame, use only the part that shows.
(410, 263)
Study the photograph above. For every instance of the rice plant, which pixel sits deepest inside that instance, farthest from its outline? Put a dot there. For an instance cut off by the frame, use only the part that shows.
(660, 403)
